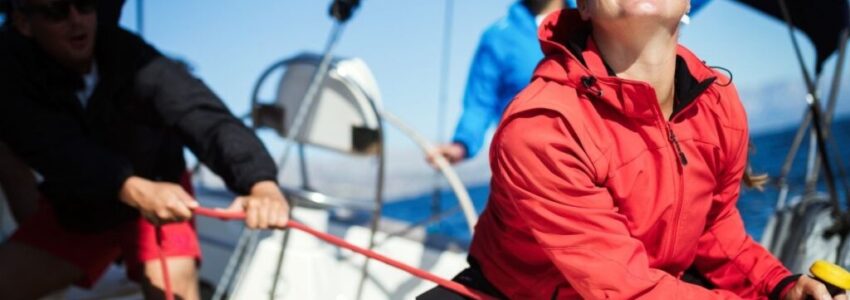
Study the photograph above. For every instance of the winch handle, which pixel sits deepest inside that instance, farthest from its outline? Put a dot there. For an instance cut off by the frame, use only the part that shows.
(836, 278)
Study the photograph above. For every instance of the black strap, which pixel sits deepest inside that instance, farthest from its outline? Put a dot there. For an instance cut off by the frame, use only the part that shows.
(471, 277)
(776, 293)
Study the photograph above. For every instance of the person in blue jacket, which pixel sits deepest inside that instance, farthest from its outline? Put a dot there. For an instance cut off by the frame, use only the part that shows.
(502, 65)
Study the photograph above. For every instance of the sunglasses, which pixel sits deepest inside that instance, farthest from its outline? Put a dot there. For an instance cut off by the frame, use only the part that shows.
(57, 11)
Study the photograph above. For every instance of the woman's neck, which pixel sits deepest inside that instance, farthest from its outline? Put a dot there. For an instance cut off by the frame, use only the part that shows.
(639, 53)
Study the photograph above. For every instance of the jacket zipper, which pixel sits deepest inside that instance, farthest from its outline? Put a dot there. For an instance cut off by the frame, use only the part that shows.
(678, 190)
(681, 161)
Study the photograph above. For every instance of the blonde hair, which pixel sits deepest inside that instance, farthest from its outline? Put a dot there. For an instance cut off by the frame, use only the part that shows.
(755, 181)
(750, 179)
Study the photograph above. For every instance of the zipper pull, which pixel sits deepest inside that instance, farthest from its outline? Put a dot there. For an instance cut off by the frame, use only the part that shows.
(682, 158)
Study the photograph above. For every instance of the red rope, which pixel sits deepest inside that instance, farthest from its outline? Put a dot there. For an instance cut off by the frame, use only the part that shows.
(169, 294)
(451, 285)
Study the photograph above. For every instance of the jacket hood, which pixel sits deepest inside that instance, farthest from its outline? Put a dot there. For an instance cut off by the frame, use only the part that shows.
(572, 58)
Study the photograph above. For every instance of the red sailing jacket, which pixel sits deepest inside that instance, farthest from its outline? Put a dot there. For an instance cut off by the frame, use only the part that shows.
(595, 195)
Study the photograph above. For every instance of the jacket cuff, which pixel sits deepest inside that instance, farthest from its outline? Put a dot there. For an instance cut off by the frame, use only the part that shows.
(124, 172)
(783, 286)
(243, 187)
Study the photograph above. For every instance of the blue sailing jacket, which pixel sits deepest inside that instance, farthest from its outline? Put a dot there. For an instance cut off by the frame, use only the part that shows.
(502, 66)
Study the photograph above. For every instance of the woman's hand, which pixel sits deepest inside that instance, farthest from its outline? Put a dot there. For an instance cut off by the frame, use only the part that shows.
(809, 287)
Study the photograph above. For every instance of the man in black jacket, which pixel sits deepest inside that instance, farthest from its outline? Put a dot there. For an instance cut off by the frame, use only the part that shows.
(103, 118)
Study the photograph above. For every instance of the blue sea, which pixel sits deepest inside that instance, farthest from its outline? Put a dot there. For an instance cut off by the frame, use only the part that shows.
(755, 207)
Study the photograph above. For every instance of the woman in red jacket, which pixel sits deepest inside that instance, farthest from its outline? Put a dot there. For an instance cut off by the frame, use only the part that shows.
(618, 168)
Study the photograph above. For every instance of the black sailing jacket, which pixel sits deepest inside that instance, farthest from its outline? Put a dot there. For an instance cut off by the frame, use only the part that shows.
(142, 113)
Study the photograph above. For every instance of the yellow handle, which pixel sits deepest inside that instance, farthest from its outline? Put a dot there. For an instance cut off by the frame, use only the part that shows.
(831, 273)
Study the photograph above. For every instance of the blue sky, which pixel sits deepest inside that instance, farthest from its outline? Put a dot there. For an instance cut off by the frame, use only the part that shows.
(230, 43)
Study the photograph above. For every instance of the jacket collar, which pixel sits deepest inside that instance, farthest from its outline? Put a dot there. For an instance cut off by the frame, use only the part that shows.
(572, 58)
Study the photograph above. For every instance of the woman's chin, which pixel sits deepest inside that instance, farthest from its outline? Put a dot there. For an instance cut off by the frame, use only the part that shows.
(652, 9)
(646, 7)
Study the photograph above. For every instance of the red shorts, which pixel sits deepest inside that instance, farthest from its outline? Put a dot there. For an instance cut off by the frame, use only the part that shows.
(134, 242)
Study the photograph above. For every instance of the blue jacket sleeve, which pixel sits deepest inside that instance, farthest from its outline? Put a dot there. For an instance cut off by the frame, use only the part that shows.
(480, 100)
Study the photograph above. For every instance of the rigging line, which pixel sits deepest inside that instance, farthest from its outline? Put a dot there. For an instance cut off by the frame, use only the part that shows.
(789, 160)
(812, 100)
(830, 113)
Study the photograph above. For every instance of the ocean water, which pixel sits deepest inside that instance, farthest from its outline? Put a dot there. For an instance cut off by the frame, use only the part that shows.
(756, 207)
